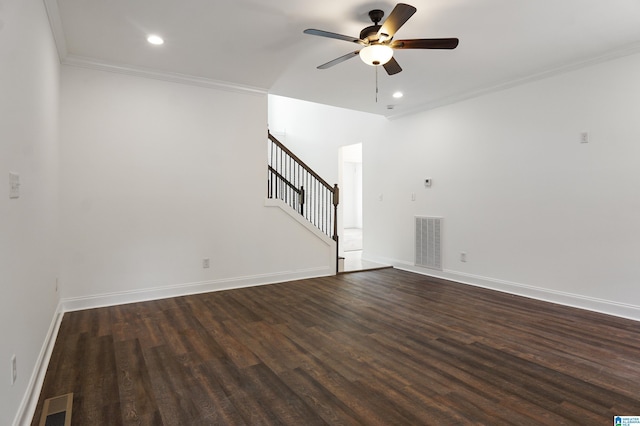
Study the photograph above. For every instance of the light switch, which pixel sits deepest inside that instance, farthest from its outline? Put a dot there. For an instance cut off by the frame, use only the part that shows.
(14, 185)
(584, 137)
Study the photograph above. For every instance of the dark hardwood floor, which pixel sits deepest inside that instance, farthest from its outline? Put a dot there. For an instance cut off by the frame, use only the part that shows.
(376, 348)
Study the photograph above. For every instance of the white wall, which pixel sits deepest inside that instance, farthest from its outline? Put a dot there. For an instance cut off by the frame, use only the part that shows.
(155, 177)
(536, 211)
(29, 74)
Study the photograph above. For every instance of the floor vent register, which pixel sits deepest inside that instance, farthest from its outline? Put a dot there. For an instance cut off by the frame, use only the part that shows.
(57, 411)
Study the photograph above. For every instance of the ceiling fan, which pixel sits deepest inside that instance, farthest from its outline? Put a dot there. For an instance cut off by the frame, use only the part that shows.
(377, 40)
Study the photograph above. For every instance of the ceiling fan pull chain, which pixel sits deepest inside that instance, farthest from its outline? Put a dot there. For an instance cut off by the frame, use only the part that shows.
(376, 84)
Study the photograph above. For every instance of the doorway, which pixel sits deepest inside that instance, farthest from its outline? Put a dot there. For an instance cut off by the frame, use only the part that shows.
(350, 229)
(351, 197)
(351, 201)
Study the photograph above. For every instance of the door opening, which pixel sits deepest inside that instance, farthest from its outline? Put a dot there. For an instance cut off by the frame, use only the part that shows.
(350, 229)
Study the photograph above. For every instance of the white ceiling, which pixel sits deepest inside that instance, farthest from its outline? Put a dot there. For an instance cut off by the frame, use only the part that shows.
(259, 44)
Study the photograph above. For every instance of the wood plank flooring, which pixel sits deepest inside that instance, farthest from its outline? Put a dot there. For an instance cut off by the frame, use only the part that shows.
(383, 347)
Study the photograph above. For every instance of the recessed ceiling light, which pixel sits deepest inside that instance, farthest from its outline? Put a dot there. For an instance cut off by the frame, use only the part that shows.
(154, 39)
(398, 95)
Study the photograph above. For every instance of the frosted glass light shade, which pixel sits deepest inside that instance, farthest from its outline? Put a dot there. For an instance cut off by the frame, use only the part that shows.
(154, 39)
(376, 54)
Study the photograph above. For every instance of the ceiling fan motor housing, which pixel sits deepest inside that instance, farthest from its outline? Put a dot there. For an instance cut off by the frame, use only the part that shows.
(370, 34)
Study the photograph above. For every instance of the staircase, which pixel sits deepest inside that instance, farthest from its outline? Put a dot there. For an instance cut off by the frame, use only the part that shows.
(297, 185)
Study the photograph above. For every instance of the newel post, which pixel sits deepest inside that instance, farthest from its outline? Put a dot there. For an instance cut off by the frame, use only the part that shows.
(336, 201)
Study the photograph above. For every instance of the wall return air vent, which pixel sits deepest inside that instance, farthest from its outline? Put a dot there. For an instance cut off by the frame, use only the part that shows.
(428, 248)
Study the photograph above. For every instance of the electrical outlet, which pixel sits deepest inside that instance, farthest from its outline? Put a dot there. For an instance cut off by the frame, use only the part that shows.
(463, 257)
(205, 263)
(14, 369)
(56, 284)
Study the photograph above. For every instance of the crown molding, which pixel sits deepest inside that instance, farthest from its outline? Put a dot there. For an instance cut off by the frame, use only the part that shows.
(83, 62)
(628, 50)
(55, 22)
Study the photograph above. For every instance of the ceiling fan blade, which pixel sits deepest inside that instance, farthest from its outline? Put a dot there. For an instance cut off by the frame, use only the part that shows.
(328, 34)
(426, 43)
(399, 15)
(338, 60)
(392, 67)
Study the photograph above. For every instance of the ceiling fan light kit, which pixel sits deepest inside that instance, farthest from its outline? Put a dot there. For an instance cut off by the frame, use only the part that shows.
(377, 40)
(376, 54)
(155, 39)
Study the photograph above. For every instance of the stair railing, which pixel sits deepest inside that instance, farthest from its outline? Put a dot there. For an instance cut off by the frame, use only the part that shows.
(297, 185)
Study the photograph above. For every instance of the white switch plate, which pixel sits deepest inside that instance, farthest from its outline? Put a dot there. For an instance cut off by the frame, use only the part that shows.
(14, 185)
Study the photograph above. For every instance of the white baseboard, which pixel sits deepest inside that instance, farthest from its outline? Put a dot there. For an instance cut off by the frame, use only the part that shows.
(120, 298)
(608, 307)
(30, 399)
